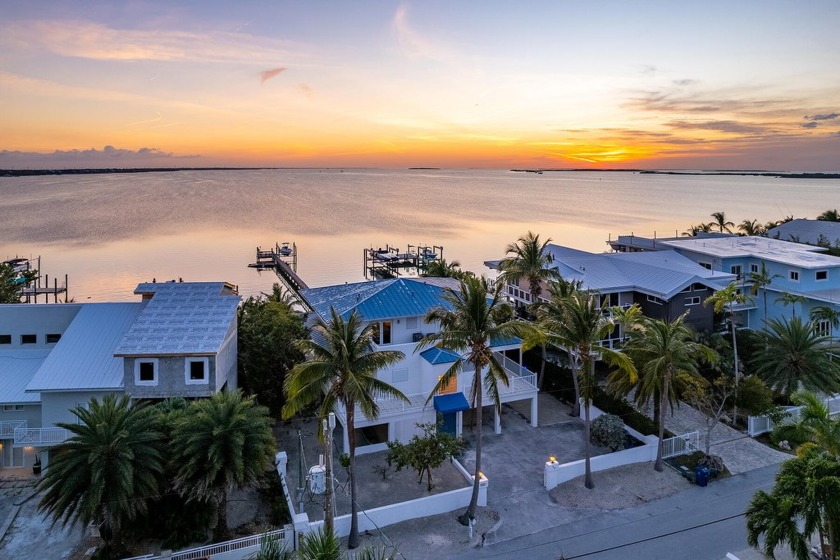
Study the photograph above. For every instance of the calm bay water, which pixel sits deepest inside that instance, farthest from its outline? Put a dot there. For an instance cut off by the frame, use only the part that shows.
(109, 232)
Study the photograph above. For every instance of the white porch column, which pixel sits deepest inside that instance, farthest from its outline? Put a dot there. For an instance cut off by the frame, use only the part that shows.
(459, 423)
(497, 417)
(534, 411)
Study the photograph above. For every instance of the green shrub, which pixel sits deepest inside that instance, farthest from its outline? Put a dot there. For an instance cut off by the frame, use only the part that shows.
(608, 431)
(631, 417)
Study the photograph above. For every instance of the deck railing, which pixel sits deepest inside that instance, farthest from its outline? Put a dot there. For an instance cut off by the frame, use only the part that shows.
(757, 425)
(40, 437)
(8, 427)
(211, 550)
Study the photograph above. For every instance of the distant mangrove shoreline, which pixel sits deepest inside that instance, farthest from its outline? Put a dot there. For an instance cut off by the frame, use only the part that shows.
(736, 172)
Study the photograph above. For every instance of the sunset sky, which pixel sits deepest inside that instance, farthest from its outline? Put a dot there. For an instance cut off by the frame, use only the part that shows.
(668, 84)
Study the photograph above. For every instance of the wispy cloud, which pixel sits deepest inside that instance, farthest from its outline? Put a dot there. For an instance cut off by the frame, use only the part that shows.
(306, 90)
(822, 117)
(106, 157)
(729, 126)
(810, 124)
(415, 44)
(685, 82)
(268, 74)
(91, 40)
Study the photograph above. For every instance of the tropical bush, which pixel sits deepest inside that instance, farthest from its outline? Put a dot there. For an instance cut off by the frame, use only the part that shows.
(608, 431)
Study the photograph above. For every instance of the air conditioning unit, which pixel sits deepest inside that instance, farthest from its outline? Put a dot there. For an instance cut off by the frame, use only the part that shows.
(417, 337)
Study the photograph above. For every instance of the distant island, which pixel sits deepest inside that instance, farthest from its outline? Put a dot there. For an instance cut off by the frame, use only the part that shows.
(738, 172)
(33, 172)
(424, 168)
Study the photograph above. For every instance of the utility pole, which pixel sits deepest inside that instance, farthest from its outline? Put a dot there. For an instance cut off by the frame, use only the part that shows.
(301, 475)
(329, 494)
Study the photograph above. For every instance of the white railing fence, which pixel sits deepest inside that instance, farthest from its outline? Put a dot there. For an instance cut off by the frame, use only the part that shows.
(8, 427)
(40, 437)
(235, 549)
(680, 445)
(757, 425)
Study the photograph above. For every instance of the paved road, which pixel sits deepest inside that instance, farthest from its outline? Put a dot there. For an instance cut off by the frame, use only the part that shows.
(701, 523)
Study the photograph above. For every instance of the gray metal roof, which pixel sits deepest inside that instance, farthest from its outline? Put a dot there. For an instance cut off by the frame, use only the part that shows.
(806, 231)
(181, 318)
(659, 273)
(84, 357)
(17, 367)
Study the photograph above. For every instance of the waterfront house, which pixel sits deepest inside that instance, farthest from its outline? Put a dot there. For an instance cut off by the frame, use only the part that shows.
(796, 268)
(178, 340)
(397, 307)
(663, 283)
(812, 232)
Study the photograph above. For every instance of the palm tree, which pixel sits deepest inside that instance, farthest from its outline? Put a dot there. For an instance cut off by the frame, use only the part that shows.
(751, 227)
(814, 424)
(528, 259)
(442, 269)
(221, 443)
(791, 299)
(791, 356)
(280, 294)
(760, 281)
(692, 231)
(829, 216)
(342, 369)
(725, 300)
(548, 314)
(721, 222)
(580, 326)
(467, 327)
(806, 495)
(661, 350)
(106, 472)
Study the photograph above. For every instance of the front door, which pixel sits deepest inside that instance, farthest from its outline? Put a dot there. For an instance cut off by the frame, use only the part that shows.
(447, 425)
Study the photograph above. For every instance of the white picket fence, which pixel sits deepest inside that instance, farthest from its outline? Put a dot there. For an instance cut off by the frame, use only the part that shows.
(757, 425)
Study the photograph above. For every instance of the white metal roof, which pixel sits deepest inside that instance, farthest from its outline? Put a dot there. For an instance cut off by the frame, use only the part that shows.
(84, 357)
(17, 367)
(181, 318)
(775, 250)
(806, 231)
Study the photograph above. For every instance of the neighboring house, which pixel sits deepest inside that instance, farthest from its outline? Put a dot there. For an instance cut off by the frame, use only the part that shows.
(179, 340)
(635, 243)
(397, 307)
(812, 232)
(663, 283)
(799, 269)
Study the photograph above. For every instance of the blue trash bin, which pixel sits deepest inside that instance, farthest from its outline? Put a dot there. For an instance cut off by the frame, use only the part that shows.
(701, 475)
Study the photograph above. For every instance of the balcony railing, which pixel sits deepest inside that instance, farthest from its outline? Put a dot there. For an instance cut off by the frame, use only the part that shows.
(40, 437)
(8, 427)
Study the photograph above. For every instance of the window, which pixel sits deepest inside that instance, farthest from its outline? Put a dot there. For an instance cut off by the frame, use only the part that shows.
(28, 339)
(686, 289)
(5, 339)
(196, 371)
(754, 268)
(707, 266)
(823, 327)
(146, 371)
(821, 275)
(793, 275)
(12, 407)
(654, 299)
(692, 301)
(385, 332)
(53, 338)
(736, 270)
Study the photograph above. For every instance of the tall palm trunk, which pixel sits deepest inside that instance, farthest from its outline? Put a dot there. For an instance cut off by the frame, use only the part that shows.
(587, 451)
(221, 532)
(542, 368)
(353, 539)
(469, 515)
(657, 466)
(735, 360)
(573, 364)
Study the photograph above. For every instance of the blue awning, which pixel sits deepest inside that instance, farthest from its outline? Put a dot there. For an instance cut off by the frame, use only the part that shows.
(453, 402)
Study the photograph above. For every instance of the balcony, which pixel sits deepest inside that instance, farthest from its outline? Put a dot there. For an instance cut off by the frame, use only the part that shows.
(40, 437)
(8, 427)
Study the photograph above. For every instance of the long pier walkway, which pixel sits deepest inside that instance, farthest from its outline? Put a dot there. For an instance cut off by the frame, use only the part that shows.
(283, 259)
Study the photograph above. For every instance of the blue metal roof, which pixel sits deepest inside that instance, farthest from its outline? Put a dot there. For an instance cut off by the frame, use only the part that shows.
(512, 341)
(439, 356)
(380, 299)
(453, 402)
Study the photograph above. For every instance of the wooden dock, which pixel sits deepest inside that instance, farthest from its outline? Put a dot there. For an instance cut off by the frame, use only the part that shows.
(390, 262)
(283, 260)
